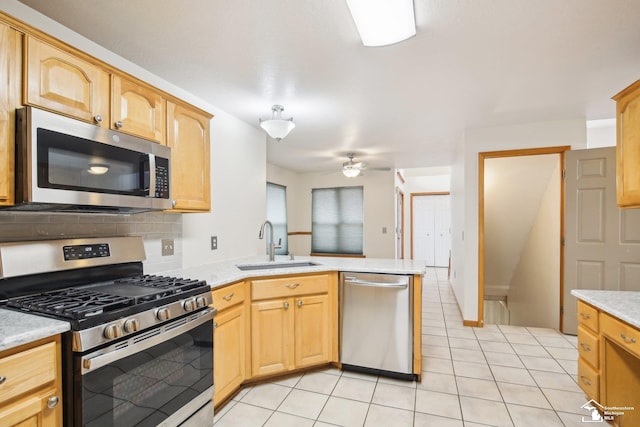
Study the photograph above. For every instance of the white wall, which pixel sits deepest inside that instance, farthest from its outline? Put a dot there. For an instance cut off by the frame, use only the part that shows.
(465, 252)
(238, 159)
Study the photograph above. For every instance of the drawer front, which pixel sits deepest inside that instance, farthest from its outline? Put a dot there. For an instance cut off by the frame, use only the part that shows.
(228, 296)
(588, 316)
(289, 286)
(624, 335)
(588, 379)
(27, 370)
(588, 346)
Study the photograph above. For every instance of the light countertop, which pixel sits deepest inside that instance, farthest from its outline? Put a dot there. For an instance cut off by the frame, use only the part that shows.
(17, 328)
(224, 272)
(625, 305)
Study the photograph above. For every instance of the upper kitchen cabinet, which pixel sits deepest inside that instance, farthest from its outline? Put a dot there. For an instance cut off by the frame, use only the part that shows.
(137, 110)
(10, 76)
(188, 137)
(628, 145)
(62, 82)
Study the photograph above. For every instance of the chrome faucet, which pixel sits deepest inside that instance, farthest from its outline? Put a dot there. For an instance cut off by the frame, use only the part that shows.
(272, 245)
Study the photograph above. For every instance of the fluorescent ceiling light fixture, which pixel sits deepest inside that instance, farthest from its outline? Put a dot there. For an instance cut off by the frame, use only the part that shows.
(383, 22)
(277, 127)
(98, 168)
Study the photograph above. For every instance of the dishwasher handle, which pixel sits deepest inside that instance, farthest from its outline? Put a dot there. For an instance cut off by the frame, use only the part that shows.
(358, 282)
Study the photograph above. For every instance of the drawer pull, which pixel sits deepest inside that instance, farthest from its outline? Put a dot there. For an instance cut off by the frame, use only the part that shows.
(585, 316)
(585, 347)
(3, 379)
(299, 303)
(585, 380)
(628, 340)
(228, 297)
(52, 402)
(286, 305)
(292, 285)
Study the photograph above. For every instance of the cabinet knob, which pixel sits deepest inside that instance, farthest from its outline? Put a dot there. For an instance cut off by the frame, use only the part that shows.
(286, 305)
(173, 203)
(98, 118)
(215, 325)
(299, 303)
(3, 379)
(52, 402)
(119, 124)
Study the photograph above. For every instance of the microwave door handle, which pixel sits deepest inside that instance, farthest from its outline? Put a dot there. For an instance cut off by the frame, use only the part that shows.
(152, 175)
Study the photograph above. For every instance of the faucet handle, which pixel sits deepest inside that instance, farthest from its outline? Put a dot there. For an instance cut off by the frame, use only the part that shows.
(279, 245)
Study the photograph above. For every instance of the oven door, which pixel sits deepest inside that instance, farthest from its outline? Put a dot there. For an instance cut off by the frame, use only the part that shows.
(159, 377)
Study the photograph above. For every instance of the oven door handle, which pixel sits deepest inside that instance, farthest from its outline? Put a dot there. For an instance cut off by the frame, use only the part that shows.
(118, 351)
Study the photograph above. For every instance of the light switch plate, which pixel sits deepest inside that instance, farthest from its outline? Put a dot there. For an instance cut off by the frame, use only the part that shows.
(167, 247)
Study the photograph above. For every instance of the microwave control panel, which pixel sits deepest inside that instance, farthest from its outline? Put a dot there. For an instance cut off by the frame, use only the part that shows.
(162, 178)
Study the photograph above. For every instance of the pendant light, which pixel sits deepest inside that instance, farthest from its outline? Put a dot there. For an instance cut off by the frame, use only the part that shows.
(277, 127)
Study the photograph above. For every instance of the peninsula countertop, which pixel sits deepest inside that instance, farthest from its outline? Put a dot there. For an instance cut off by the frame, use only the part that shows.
(224, 272)
(625, 305)
(17, 328)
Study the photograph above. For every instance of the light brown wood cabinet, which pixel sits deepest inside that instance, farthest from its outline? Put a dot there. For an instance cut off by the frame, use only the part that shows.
(30, 385)
(188, 137)
(60, 81)
(10, 74)
(137, 110)
(628, 146)
(230, 337)
(609, 363)
(291, 326)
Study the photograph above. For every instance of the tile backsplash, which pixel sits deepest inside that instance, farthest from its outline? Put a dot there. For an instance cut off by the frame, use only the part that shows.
(152, 226)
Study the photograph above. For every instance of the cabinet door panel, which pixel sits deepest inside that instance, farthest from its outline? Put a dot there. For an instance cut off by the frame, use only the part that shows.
(311, 330)
(138, 110)
(10, 71)
(271, 333)
(61, 82)
(229, 352)
(188, 137)
(33, 411)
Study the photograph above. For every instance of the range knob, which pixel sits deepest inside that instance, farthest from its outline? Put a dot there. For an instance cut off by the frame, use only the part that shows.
(189, 305)
(131, 325)
(163, 314)
(112, 331)
(201, 302)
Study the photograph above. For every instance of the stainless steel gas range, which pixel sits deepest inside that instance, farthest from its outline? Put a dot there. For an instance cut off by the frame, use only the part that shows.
(140, 349)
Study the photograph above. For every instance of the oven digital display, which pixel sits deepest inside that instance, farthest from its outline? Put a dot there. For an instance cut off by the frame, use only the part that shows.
(75, 252)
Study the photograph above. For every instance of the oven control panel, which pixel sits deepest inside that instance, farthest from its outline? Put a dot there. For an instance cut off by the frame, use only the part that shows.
(75, 252)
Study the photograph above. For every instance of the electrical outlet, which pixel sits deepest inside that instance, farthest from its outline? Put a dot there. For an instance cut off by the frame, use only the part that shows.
(214, 243)
(384, 230)
(167, 247)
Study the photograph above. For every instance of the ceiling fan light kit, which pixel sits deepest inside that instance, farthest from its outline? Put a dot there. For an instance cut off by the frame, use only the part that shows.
(277, 127)
(383, 22)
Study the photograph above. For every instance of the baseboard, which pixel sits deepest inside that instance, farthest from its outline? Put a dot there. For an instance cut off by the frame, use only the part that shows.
(473, 323)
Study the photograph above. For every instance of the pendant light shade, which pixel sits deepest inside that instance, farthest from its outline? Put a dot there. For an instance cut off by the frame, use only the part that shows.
(277, 127)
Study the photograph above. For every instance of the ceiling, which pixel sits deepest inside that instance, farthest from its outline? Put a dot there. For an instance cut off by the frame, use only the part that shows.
(473, 63)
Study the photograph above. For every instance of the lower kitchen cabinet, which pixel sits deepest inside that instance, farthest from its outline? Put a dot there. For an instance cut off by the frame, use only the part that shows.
(230, 336)
(30, 385)
(311, 324)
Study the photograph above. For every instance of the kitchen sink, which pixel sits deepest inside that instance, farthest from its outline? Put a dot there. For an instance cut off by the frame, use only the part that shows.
(276, 265)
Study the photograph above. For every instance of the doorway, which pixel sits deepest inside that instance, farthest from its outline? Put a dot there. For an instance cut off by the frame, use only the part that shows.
(521, 225)
(431, 228)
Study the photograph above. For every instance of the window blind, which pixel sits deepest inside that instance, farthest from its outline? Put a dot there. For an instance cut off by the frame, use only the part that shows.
(337, 220)
(277, 214)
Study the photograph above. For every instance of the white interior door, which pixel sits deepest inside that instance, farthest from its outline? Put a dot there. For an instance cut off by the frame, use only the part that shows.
(602, 242)
(431, 229)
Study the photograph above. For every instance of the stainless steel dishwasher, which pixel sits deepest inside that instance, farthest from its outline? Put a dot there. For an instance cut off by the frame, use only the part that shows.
(376, 326)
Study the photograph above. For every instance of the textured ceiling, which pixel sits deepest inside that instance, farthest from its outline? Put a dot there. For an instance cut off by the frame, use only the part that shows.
(473, 63)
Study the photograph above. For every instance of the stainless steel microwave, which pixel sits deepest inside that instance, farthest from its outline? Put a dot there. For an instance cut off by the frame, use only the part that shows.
(64, 164)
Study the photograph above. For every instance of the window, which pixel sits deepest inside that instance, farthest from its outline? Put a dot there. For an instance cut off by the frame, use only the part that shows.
(277, 214)
(336, 216)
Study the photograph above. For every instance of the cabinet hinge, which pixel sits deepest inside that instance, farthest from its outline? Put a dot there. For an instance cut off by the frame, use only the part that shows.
(564, 173)
(562, 242)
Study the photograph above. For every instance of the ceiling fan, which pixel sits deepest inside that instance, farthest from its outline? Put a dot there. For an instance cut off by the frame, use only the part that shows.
(352, 169)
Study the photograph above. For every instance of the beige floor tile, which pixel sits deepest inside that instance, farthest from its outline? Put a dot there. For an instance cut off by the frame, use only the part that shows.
(435, 340)
(441, 366)
(503, 359)
(279, 419)
(470, 344)
(481, 389)
(543, 332)
(243, 415)
(221, 411)
(428, 420)
(490, 336)
(485, 412)
(438, 382)
(435, 403)
(570, 366)
(241, 394)
(575, 420)
(454, 322)
(513, 329)
(530, 350)
(303, 403)
(523, 395)
(344, 412)
(566, 401)
(318, 382)
(555, 380)
(435, 330)
(472, 370)
(360, 376)
(554, 341)
(432, 315)
(355, 389)
(436, 351)
(511, 375)
(497, 347)
(384, 416)
(563, 353)
(541, 364)
(268, 396)
(524, 416)
(521, 338)
(398, 382)
(462, 333)
(288, 381)
(467, 355)
(394, 396)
